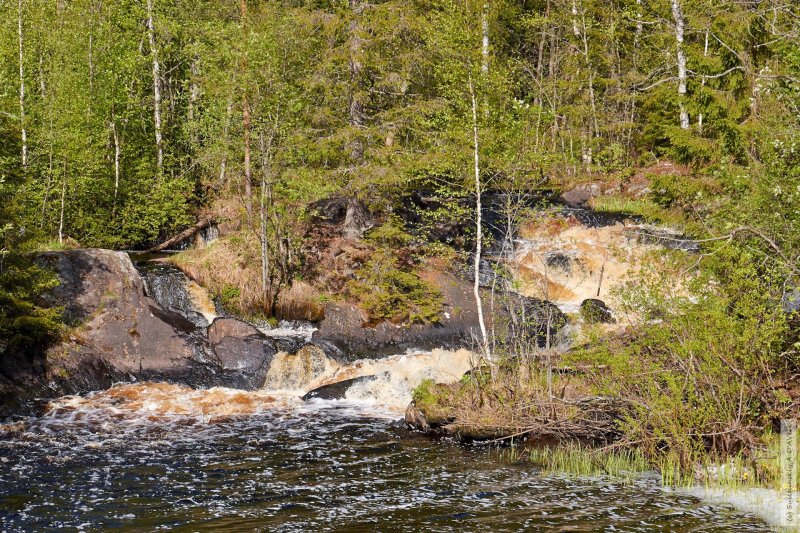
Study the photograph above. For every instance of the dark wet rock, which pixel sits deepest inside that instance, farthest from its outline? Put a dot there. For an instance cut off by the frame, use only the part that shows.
(243, 352)
(118, 333)
(351, 214)
(560, 261)
(415, 419)
(489, 275)
(533, 319)
(450, 220)
(594, 311)
(338, 390)
(289, 344)
(167, 286)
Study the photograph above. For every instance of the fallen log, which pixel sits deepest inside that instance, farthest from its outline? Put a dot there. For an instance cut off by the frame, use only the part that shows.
(182, 236)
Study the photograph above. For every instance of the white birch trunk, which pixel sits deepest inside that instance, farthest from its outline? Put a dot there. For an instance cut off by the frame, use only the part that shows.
(478, 222)
(700, 115)
(485, 39)
(575, 29)
(680, 26)
(117, 152)
(22, 87)
(151, 35)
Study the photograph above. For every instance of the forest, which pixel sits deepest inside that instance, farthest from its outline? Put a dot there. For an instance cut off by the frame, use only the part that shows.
(126, 122)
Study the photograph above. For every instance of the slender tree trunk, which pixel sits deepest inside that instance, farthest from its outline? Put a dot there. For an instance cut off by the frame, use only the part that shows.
(485, 39)
(637, 38)
(575, 29)
(151, 35)
(248, 178)
(703, 83)
(680, 26)
(49, 166)
(63, 205)
(91, 50)
(42, 87)
(22, 86)
(265, 205)
(117, 153)
(194, 95)
(226, 126)
(356, 111)
(478, 221)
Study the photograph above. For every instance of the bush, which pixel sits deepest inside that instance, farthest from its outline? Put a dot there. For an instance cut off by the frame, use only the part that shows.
(25, 325)
(388, 293)
(696, 377)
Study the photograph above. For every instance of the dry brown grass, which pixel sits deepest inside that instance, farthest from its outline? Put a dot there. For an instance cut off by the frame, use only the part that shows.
(301, 301)
(520, 403)
(230, 268)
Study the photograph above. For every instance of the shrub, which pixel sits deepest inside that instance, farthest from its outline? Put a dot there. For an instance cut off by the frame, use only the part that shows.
(25, 324)
(387, 292)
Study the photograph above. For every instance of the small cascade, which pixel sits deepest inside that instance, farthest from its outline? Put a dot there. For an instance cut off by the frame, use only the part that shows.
(579, 254)
(391, 379)
(175, 292)
(383, 383)
(394, 378)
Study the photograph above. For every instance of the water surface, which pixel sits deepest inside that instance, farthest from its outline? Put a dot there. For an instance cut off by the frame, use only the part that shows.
(158, 457)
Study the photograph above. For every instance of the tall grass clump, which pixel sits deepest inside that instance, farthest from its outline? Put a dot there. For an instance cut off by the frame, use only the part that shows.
(575, 459)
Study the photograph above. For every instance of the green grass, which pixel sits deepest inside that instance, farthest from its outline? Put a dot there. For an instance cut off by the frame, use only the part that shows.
(55, 246)
(641, 207)
(577, 460)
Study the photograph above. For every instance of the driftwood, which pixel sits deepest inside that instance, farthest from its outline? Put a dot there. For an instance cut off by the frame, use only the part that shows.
(182, 236)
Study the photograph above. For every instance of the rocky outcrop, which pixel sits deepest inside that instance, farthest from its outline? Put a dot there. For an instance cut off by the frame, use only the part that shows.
(336, 391)
(167, 286)
(594, 311)
(350, 215)
(243, 352)
(118, 333)
(345, 335)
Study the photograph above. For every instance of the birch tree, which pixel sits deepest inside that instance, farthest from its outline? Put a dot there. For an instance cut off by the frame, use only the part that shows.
(680, 28)
(23, 126)
(151, 36)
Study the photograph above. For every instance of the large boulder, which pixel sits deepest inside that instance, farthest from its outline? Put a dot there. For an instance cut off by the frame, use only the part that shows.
(118, 333)
(531, 320)
(348, 214)
(243, 352)
(595, 311)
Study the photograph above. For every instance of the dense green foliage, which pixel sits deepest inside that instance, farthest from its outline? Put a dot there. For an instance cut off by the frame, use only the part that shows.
(366, 98)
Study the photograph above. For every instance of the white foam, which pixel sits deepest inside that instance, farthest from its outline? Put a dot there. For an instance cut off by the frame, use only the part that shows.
(767, 504)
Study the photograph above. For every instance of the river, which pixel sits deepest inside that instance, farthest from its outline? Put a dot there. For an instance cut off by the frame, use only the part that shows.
(149, 457)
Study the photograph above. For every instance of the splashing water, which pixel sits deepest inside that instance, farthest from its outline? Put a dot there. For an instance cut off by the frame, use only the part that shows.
(152, 456)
